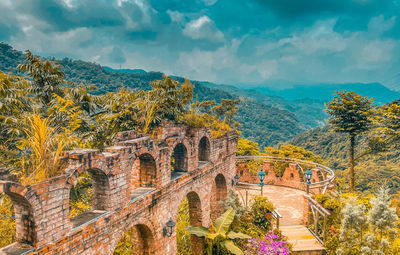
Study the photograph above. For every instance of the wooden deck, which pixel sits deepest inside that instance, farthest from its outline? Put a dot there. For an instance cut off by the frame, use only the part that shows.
(302, 240)
(290, 203)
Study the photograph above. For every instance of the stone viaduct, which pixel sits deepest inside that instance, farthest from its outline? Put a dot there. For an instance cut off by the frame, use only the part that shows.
(133, 188)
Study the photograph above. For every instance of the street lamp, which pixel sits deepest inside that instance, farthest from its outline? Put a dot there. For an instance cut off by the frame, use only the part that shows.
(261, 176)
(169, 228)
(308, 175)
(235, 180)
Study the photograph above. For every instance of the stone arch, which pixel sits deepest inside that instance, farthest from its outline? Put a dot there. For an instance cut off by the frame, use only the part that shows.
(179, 160)
(140, 240)
(101, 189)
(195, 219)
(24, 219)
(204, 149)
(100, 194)
(219, 191)
(147, 171)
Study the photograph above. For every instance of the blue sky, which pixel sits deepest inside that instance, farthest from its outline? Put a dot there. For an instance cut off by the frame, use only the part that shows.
(271, 42)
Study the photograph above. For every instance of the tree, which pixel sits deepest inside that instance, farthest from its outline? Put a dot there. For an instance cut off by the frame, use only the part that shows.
(350, 113)
(382, 217)
(354, 221)
(46, 75)
(172, 97)
(218, 233)
(247, 148)
(388, 122)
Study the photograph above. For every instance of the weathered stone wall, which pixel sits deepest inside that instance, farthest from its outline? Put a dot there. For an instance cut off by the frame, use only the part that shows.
(117, 179)
(292, 176)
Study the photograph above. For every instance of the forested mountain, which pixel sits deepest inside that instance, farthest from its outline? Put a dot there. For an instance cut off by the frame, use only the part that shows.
(307, 102)
(310, 112)
(324, 92)
(371, 170)
(261, 122)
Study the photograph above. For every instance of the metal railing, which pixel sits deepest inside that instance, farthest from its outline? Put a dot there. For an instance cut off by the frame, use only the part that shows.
(328, 175)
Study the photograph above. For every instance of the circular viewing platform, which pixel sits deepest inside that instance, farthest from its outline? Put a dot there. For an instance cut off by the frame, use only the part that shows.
(283, 171)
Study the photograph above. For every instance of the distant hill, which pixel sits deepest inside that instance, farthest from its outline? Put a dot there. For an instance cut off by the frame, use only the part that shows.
(140, 71)
(265, 124)
(324, 92)
(306, 102)
(310, 112)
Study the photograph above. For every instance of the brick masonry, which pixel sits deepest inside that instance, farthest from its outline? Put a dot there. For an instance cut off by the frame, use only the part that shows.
(292, 176)
(135, 161)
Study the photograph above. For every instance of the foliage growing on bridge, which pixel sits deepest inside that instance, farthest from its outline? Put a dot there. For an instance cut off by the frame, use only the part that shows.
(43, 115)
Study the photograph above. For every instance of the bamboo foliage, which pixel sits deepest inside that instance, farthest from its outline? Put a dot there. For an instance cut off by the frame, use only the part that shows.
(43, 146)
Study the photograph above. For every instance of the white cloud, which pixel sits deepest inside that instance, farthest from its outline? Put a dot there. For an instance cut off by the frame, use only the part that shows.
(378, 25)
(6, 3)
(375, 54)
(209, 2)
(69, 3)
(175, 15)
(215, 65)
(120, 2)
(203, 28)
(319, 37)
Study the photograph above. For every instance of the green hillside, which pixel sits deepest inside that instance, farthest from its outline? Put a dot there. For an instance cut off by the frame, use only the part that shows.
(310, 112)
(261, 122)
(371, 171)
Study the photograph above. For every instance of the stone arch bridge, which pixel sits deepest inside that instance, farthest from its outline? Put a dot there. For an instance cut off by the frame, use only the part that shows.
(134, 187)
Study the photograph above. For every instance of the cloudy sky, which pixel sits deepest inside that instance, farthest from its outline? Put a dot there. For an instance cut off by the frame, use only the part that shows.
(223, 41)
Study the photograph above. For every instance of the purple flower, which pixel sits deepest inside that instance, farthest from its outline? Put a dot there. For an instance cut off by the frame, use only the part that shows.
(271, 244)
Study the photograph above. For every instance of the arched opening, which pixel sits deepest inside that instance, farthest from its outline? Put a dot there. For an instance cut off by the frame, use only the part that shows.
(138, 240)
(179, 161)
(189, 214)
(204, 150)
(89, 196)
(17, 226)
(219, 192)
(147, 171)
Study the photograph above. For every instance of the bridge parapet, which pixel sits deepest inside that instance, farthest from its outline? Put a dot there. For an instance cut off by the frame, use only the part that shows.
(133, 183)
(287, 172)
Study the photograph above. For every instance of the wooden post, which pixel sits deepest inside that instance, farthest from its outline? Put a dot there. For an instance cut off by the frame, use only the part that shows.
(316, 221)
(309, 212)
(246, 197)
(324, 228)
(277, 222)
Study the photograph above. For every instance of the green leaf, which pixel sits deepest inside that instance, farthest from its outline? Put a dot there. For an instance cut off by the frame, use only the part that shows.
(198, 231)
(212, 236)
(230, 246)
(224, 221)
(234, 235)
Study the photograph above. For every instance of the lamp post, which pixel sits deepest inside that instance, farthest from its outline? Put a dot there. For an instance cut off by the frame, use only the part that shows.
(235, 180)
(261, 176)
(308, 175)
(169, 228)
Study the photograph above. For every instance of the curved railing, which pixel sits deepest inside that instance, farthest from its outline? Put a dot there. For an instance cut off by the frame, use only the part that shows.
(328, 175)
